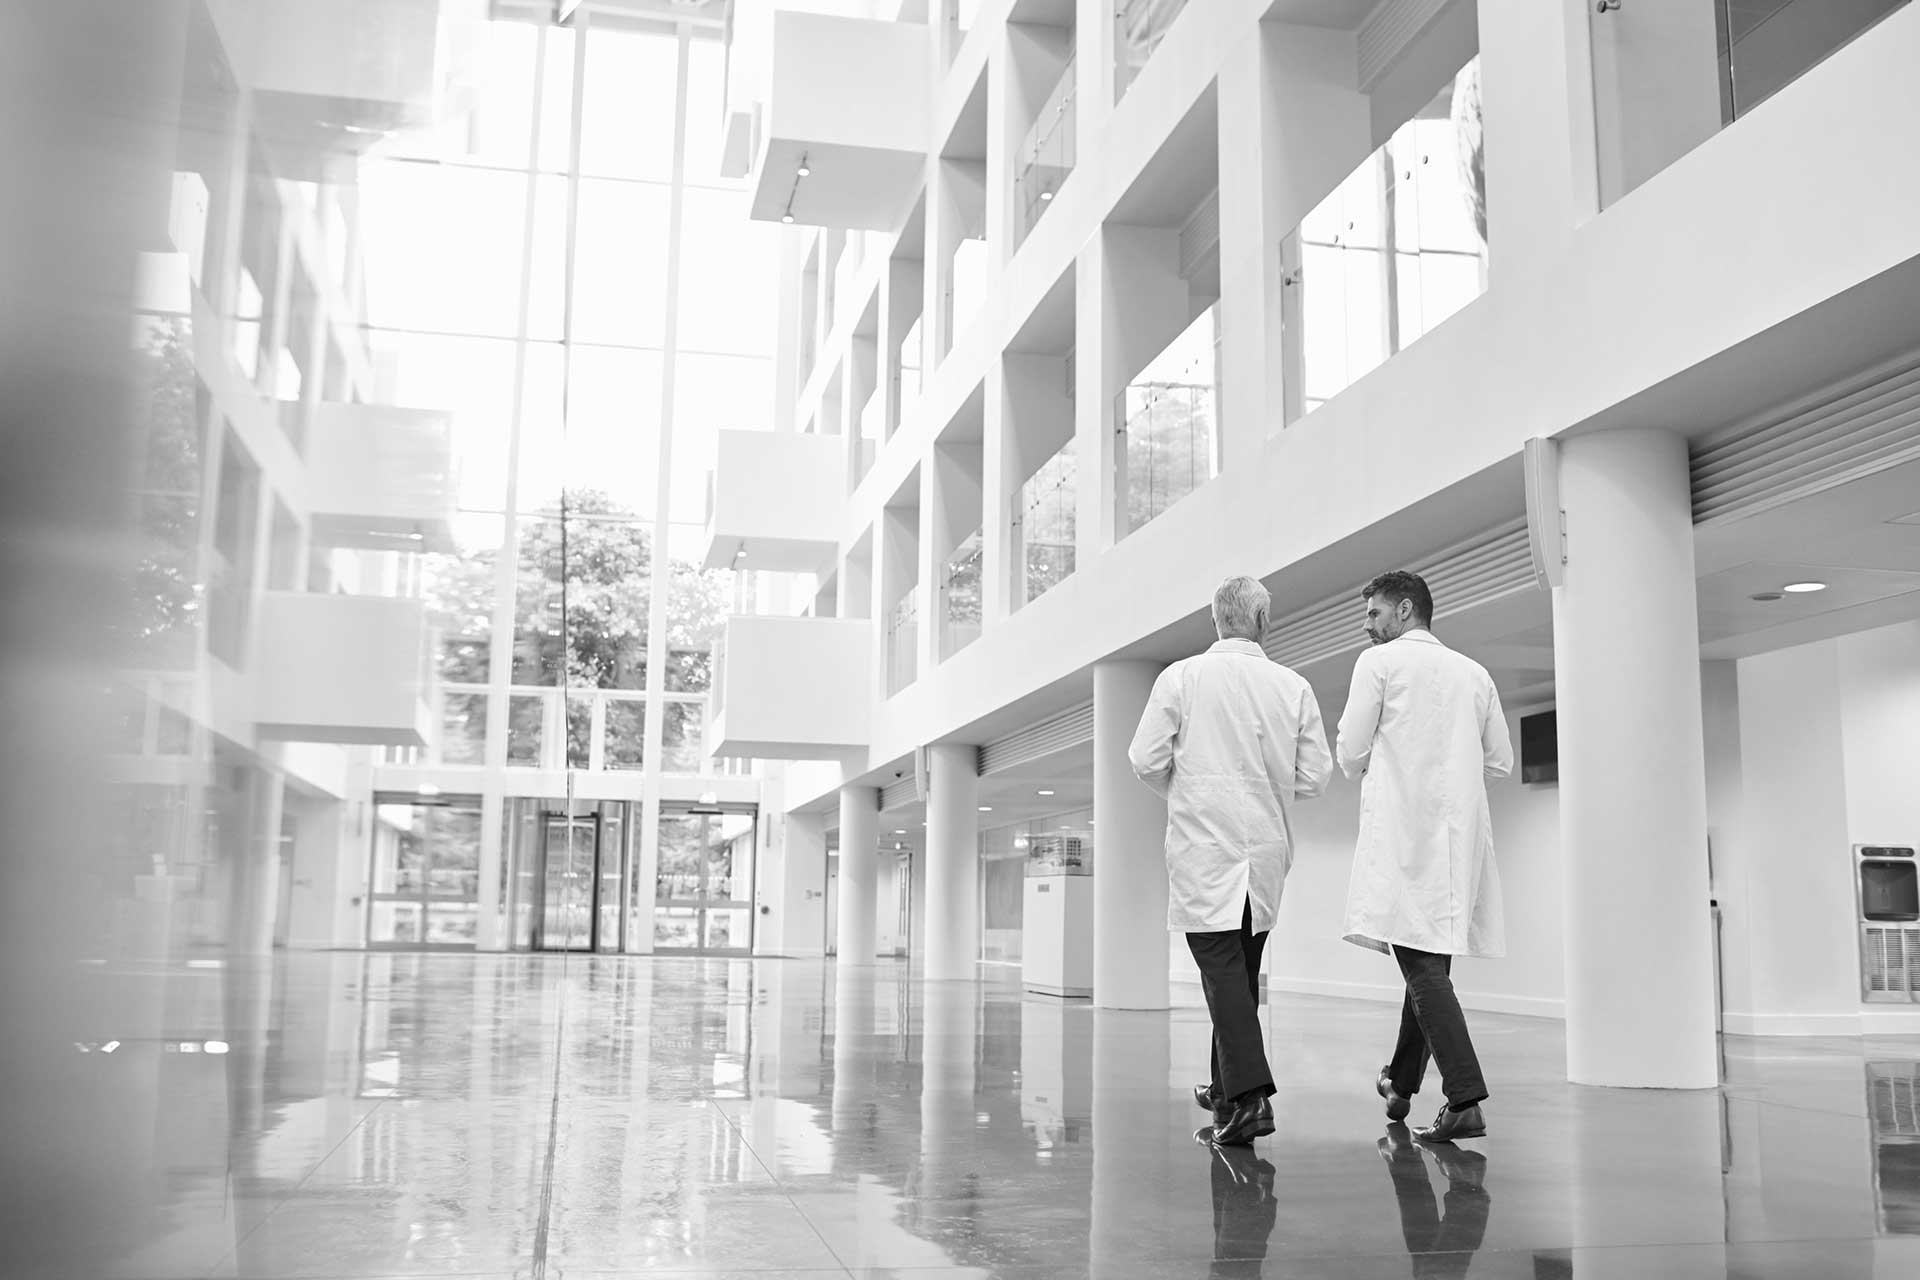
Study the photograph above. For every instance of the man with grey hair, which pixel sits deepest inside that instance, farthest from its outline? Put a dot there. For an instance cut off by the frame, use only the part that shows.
(1231, 739)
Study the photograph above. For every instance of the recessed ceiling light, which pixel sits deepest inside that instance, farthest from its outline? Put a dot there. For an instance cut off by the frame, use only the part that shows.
(1046, 195)
(1803, 588)
(803, 171)
(900, 831)
(986, 808)
(786, 217)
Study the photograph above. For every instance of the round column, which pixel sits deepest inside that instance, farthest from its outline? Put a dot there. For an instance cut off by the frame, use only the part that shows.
(1633, 801)
(1129, 849)
(953, 862)
(859, 868)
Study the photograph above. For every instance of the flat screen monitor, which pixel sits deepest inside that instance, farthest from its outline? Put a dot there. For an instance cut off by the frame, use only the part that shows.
(1539, 748)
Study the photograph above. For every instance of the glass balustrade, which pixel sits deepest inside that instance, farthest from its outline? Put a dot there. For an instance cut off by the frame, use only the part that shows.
(903, 643)
(1139, 27)
(969, 282)
(1668, 76)
(872, 431)
(910, 355)
(1398, 247)
(1045, 524)
(1168, 419)
(960, 597)
(1046, 157)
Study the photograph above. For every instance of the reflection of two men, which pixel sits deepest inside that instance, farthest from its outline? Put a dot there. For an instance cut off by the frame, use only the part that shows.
(1441, 1239)
(1441, 1235)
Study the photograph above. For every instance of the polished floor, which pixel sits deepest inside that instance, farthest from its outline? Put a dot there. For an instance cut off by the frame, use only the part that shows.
(515, 1116)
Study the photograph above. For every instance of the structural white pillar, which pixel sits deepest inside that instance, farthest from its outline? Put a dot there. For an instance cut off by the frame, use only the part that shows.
(1129, 849)
(953, 862)
(859, 868)
(1633, 801)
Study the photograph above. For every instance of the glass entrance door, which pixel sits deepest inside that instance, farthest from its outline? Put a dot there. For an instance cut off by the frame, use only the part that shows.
(569, 884)
(703, 892)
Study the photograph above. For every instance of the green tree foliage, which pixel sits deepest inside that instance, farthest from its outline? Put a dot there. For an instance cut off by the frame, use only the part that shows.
(1470, 138)
(594, 631)
(166, 592)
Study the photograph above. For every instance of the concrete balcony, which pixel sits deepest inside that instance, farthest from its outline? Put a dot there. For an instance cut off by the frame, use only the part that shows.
(331, 80)
(343, 669)
(792, 688)
(381, 478)
(848, 99)
(776, 501)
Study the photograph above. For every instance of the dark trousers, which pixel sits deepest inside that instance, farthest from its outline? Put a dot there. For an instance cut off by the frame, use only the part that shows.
(1230, 975)
(1432, 1026)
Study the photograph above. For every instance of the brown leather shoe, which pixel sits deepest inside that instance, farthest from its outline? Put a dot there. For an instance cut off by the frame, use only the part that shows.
(1397, 1106)
(1247, 1121)
(1450, 1125)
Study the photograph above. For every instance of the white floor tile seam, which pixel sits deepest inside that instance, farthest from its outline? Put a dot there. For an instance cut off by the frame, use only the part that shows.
(780, 1184)
(283, 1199)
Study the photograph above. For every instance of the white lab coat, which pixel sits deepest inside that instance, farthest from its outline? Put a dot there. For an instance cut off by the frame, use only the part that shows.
(1231, 738)
(1424, 725)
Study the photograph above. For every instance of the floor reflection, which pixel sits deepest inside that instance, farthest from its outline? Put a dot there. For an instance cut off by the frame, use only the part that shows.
(1441, 1241)
(1244, 1208)
(417, 1114)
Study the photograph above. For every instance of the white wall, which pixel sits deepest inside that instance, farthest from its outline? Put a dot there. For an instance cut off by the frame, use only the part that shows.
(792, 883)
(794, 680)
(1791, 876)
(1880, 734)
(1829, 733)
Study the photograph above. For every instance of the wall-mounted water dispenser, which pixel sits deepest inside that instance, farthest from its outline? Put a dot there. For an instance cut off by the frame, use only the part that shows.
(1887, 890)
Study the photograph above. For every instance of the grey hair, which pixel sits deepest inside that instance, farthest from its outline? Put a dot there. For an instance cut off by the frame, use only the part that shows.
(1240, 608)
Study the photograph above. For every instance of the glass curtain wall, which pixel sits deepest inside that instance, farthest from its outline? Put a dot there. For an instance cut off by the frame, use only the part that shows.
(434, 346)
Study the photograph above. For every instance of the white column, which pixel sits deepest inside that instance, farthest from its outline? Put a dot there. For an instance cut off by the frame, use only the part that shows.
(953, 862)
(859, 867)
(1129, 850)
(1633, 804)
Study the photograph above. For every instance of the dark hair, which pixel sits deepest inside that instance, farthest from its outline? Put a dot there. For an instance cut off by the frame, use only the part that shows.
(1401, 585)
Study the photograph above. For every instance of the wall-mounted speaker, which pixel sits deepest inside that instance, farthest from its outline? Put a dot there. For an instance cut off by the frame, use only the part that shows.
(1546, 518)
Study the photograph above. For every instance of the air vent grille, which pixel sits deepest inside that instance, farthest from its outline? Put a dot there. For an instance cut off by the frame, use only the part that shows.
(1387, 32)
(897, 795)
(1840, 434)
(1894, 1098)
(1069, 728)
(1890, 963)
(1200, 236)
(1485, 568)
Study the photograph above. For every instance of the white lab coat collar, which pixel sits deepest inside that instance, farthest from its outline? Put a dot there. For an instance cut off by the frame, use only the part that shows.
(1236, 645)
(1421, 635)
